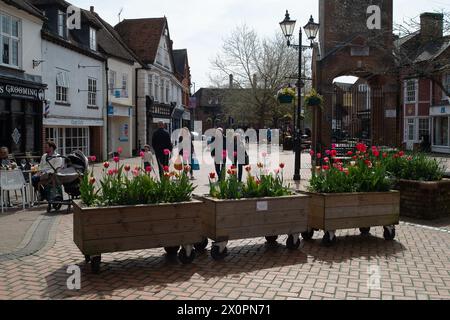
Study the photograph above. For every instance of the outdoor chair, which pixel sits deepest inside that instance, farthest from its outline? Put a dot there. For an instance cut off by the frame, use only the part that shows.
(12, 180)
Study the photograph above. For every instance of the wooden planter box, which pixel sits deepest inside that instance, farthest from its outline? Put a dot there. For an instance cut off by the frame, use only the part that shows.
(249, 218)
(331, 212)
(424, 200)
(125, 228)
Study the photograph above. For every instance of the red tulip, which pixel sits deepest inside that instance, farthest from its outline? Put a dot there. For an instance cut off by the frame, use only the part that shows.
(106, 165)
(92, 180)
(328, 152)
(311, 153)
(110, 172)
(376, 153)
(166, 152)
(116, 159)
(333, 146)
(319, 156)
(119, 150)
(166, 169)
(148, 169)
(127, 168)
(282, 165)
(212, 175)
(92, 158)
(326, 160)
(401, 153)
(248, 168)
(385, 155)
(326, 168)
(350, 153)
(142, 154)
(333, 153)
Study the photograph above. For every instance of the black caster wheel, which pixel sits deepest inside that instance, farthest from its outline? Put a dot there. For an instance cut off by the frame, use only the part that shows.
(57, 207)
(327, 241)
(201, 246)
(308, 235)
(95, 264)
(272, 240)
(87, 258)
(389, 235)
(290, 243)
(216, 254)
(172, 250)
(184, 258)
(365, 231)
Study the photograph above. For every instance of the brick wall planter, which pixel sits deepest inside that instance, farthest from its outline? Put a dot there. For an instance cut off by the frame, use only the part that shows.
(424, 200)
(125, 228)
(331, 212)
(248, 218)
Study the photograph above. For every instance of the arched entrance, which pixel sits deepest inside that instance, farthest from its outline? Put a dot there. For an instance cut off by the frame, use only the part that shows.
(367, 109)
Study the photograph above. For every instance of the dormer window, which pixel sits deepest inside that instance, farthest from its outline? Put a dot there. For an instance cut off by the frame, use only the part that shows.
(62, 24)
(93, 39)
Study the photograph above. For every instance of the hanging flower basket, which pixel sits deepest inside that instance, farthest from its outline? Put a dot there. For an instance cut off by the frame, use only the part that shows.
(285, 99)
(313, 99)
(286, 95)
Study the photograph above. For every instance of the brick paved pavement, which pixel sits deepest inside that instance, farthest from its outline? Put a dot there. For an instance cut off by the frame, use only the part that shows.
(416, 266)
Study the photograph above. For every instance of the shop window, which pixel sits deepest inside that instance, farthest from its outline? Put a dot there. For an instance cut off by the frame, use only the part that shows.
(62, 86)
(441, 132)
(92, 92)
(9, 40)
(410, 91)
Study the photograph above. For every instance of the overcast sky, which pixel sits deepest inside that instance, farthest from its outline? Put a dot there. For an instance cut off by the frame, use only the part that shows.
(200, 25)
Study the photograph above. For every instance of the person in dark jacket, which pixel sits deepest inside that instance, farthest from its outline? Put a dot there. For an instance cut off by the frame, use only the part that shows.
(161, 142)
(239, 157)
(220, 160)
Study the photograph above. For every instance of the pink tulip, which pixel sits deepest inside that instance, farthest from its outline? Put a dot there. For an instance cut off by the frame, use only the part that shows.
(119, 150)
(166, 152)
(142, 154)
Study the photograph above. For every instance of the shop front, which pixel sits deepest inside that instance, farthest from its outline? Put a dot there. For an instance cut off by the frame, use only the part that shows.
(158, 113)
(75, 134)
(21, 104)
(440, 128)
(119, 129)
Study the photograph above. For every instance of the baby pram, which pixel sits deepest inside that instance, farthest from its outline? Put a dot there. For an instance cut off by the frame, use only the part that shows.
(69, 177)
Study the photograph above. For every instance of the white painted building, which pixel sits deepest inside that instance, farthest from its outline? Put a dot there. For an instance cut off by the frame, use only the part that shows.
(75, 73)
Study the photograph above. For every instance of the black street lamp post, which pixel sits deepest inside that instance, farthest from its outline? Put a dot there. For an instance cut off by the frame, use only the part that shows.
(311, 30)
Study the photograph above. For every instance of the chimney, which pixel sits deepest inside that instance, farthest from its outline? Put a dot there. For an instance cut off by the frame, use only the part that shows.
(92, 9)
(231, 81)
(431, 26)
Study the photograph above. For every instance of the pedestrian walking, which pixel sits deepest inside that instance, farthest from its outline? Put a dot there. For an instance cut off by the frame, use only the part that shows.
(218, 152)
(162, 145)
(239, 157)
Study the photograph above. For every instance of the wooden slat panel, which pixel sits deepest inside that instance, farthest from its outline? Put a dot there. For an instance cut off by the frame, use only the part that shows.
(359, 211)
(248, 206)
(365, 199)
(149, 228)
(317, 212)
(349, 223)
(136, 214)
(260, 231)
(77, 228)
(261, 218)
(142, 242)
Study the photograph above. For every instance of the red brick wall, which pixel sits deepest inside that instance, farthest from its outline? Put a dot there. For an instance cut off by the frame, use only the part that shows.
(425, 200)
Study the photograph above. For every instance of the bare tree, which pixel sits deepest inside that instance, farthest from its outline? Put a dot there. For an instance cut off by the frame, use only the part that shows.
(260, 67)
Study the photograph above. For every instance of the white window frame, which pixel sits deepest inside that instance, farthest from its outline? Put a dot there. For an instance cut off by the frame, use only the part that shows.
(168, 92)
(59, 136)
(112, 82)
(62, 86)
(92, 39)
(157, 79)
(411, 121)
(161, 88)
(92, 92)
(408, 87)
(62, 24)
(12, 39)
(421, 130)
(124, 91)
(446, 84)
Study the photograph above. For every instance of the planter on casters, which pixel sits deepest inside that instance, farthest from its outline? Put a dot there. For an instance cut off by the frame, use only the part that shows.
(125, 228)
(331, 212)
(227, 220)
